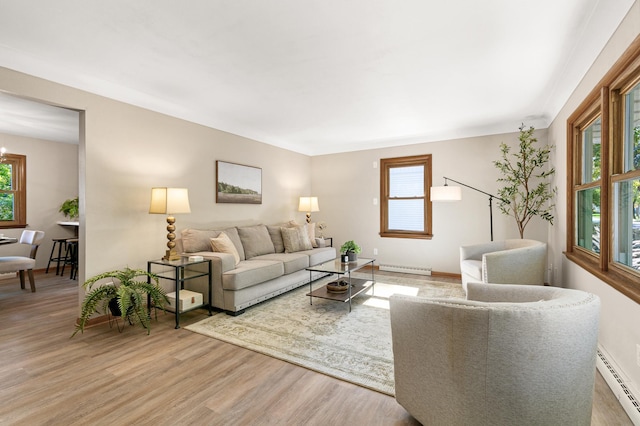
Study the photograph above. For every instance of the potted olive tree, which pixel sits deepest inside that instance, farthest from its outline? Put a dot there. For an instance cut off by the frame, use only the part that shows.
(125, 296)
(526, 177)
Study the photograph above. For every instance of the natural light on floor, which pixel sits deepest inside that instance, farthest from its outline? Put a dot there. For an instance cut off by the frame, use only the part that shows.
(381, 291)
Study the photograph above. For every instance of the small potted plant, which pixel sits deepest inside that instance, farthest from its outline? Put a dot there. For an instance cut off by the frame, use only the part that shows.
(70, 208)
(351, 249)
(125, 297)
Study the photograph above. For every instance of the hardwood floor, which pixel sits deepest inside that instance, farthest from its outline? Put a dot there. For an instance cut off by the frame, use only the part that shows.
(171, 377)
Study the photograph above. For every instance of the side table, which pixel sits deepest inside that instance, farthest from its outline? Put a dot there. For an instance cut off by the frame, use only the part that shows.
(183, 270)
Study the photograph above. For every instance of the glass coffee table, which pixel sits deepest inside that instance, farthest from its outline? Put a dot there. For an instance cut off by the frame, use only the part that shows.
(336, 267)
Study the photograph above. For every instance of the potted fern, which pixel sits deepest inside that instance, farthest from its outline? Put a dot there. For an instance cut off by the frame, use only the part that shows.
(124, 296)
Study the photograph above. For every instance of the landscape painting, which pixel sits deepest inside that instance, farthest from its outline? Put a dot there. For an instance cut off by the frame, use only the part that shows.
(236, 183)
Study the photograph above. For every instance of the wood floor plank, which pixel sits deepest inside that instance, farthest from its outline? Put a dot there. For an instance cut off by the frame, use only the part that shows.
(171, 377)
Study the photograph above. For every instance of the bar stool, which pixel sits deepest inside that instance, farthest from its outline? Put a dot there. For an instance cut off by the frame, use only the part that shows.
(61, 243)
(71, 258)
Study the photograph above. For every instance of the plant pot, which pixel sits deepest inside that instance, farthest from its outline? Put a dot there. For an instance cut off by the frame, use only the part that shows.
(353, 256)
(114, 307)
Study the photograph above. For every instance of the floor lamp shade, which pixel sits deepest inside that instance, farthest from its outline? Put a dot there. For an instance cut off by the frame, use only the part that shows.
(308, 205)
(170, 201)
(446, 193)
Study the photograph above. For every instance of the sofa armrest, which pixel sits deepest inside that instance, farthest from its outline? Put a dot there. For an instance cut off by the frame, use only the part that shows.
(222, 262)
(475, 251)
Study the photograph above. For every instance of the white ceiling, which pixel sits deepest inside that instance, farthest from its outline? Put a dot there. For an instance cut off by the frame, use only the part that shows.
(319, 76)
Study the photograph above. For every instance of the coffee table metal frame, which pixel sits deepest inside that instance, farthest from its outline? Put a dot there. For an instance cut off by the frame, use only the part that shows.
(356, 285)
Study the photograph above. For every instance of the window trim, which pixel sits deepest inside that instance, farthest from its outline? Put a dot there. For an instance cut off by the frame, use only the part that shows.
(19, 184)
(604, 100)
(388, 163)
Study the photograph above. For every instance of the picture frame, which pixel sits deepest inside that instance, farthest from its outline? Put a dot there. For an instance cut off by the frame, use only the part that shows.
(237, 183)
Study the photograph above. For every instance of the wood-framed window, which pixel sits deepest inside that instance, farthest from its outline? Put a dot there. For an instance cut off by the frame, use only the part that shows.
(13, 191)
(405, 208)
(603, 178)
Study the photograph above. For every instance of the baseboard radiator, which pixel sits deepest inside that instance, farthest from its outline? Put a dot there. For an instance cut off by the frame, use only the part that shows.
(618, 386)
(406, 269)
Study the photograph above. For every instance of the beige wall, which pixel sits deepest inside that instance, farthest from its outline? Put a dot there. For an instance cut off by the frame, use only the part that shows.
(346, 185)
(620, 316)
(127, 150)
(52, 177)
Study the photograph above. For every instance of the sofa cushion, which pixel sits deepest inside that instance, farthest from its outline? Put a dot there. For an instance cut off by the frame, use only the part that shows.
(276, 237)
(223, 244)
(233, 235)
(295, 239)
(292, 262)
(255, 241)
(473, 268)
(194, 240)
(251, 272)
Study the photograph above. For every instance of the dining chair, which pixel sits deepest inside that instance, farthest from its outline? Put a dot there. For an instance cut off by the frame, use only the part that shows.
(21, 264)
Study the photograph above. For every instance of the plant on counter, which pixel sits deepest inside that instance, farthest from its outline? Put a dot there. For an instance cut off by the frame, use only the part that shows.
(70, 208)
(126, 297)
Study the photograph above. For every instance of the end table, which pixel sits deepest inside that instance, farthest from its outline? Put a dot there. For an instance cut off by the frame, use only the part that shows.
(183, 270)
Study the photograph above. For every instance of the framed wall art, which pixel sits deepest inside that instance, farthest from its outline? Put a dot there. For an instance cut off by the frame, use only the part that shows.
(236, 183)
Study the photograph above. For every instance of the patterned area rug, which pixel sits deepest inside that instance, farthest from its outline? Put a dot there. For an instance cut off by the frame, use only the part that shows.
(325, 337)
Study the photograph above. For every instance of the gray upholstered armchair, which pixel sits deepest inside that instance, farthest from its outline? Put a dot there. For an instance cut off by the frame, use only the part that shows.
(507, 355)
(515, 261)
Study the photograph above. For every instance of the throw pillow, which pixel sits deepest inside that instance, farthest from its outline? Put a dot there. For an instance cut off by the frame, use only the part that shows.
(223, 244)
(311, 231)
(255, 240)
(295, 239)
(276, 238)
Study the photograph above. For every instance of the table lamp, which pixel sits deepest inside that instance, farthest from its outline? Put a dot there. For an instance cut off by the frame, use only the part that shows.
(170, 201)
(308, 204)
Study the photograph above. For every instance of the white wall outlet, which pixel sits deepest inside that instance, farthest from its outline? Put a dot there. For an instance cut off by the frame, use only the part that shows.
(375, 201)
(375, 251)
(638, 354)
(375, 164)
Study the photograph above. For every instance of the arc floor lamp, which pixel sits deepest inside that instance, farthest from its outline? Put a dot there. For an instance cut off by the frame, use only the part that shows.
(454, 193)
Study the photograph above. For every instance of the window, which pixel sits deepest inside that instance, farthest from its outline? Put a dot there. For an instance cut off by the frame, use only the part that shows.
(13, 191)
(405, 209)
(588, 188)
(603, 149)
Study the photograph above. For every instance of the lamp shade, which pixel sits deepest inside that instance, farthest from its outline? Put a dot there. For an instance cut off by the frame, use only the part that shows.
(308, 204)
(169, 201)
(446, 193)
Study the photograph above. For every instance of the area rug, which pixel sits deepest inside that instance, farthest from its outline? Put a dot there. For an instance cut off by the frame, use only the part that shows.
(325, 337)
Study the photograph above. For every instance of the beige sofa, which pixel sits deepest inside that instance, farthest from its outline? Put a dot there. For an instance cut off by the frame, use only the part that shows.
(254, 263)
(507, 355)
(514, 261)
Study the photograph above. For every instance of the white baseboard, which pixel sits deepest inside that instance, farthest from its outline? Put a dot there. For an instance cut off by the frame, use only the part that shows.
(620, 385)
(406, 269)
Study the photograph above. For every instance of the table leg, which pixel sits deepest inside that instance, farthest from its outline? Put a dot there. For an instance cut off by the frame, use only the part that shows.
(177, 297)
(310, 289)
(210, 289)
(349, 291)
